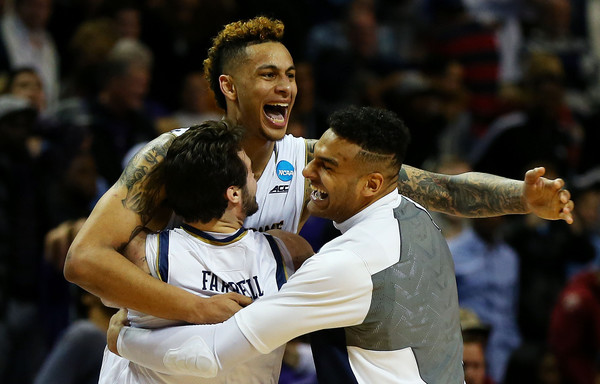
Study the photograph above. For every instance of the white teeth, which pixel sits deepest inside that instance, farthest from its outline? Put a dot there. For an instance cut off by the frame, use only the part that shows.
(318, 194)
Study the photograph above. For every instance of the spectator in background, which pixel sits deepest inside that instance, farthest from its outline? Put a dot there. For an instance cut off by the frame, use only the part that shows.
(72, 188)
(197, 102)
(447, 80)
(586, 189)
(475, 336)
(575, 328)
(412, 97)
(457, 36)
(25, 41)
(546, 250)
(179, 33)
(22, 342)
(349, 56)
(25, 82)
(487, 277)
(552, 32)
(544, 118)
(533, 364)
(88, 47)
(77, 356)
(119, 115)
(305, 105)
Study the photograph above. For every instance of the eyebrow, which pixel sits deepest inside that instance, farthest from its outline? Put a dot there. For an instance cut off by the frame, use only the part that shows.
(327, 160)
(274, 67)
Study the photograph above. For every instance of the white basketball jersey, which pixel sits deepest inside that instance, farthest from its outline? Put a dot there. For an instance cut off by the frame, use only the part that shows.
(248, 262)
(280, 193)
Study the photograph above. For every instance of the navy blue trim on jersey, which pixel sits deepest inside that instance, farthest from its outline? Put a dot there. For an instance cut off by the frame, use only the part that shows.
(208, 238)
(330, 354)
(163, 256)
(280, 274)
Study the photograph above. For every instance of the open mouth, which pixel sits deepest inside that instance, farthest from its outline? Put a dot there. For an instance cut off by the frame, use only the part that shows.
(277, 113)
(318, 195)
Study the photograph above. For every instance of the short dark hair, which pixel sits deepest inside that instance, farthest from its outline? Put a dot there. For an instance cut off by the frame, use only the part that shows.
(229, 46)
(199, 167)
(377, 131)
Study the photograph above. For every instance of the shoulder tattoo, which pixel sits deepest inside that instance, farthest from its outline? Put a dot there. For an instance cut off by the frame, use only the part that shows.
(142, 179)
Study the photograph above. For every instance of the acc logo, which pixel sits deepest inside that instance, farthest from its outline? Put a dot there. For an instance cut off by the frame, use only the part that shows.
(285, 170)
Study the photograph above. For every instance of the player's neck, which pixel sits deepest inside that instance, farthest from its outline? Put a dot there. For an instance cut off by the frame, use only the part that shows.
(257, 147)
(230, 222)
(259, 151)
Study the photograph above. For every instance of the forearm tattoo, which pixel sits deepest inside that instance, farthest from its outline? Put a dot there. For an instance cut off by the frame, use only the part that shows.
(142, 180)
(471, 194)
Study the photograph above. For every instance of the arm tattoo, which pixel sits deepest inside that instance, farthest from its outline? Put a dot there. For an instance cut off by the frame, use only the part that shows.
(471, 194)
(141, 179)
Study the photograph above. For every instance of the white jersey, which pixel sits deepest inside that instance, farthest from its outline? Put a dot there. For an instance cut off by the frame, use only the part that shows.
(382, 297)
(280, 193)
(248, 262)
(281, 187)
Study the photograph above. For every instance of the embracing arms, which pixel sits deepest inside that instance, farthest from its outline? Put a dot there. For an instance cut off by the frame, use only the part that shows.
(131, 205)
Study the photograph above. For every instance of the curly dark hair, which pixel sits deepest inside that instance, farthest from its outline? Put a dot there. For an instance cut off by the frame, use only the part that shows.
(199, 167)
(228, 47)
(377, 131)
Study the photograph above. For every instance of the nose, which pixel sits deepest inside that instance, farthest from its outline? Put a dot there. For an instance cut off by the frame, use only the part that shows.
(308, 171)
(285, 86)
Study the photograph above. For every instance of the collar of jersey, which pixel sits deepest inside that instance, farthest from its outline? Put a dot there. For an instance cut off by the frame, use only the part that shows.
(208, 238)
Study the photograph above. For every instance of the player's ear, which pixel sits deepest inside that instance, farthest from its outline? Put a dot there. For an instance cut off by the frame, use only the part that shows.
(228, 87)
(373, 182)
(234, 194)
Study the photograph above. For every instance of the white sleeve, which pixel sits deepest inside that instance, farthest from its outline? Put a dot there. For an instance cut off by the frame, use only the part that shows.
(326, 292)
(196, 350)
(332, 289)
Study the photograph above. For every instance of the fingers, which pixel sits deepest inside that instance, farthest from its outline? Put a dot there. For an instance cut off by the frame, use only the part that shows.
(567, 212)
(566, 215)
(534, 174)
(564, 196)
(240, 299)
(121, 317)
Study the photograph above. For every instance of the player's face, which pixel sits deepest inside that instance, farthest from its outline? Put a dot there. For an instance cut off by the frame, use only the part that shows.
(266, 90)
(336, 179)
(249, 204)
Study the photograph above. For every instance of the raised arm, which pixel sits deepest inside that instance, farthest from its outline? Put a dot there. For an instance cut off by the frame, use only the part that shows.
(474, 194)
(95, 264)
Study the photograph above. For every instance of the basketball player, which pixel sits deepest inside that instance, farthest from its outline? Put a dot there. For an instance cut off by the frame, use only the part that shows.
(209, 182)
(386, 286)
(252, 74)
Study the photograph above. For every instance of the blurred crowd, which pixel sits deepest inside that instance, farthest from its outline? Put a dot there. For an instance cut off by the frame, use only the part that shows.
(495, 86)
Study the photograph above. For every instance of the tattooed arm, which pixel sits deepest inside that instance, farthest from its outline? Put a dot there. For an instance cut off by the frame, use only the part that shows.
(474, 194)
(132, 204)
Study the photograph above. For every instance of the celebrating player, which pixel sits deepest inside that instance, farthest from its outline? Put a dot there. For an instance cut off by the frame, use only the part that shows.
(253, 76)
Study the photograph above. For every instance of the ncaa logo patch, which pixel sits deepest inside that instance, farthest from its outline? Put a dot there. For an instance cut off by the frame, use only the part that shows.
(285, 170)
